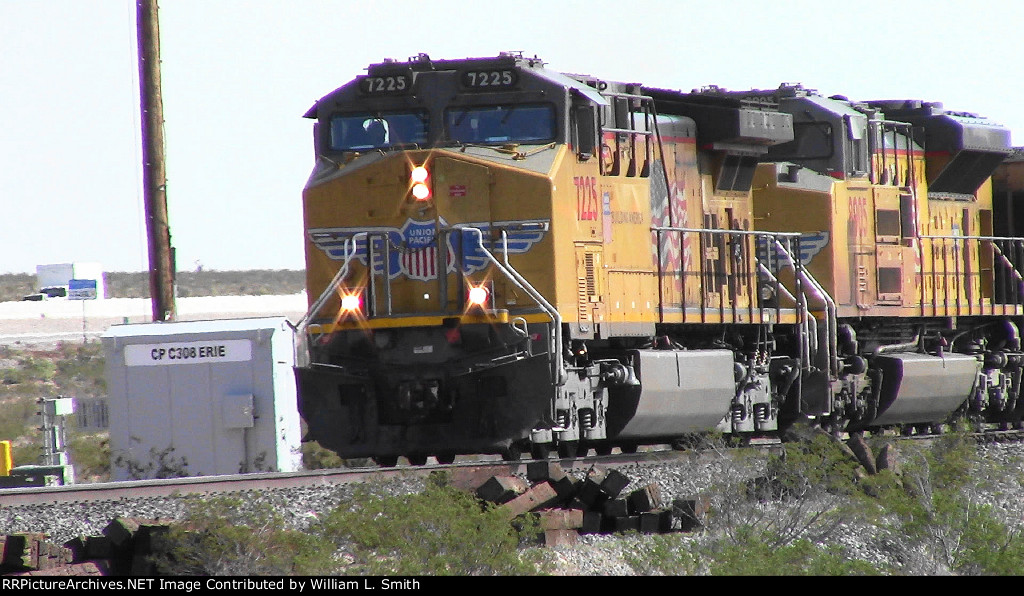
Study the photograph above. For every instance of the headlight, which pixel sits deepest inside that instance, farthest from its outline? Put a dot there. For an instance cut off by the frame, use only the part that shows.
(351, 303)
(418, 177)
(478, 296)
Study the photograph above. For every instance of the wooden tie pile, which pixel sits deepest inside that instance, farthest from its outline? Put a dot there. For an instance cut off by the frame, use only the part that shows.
(597, 504)
(122, 550)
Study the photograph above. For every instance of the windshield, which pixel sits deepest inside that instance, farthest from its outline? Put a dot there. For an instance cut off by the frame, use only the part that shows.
(516, 123)
(363, 131)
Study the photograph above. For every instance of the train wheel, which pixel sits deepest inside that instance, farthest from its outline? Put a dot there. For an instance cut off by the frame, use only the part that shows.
(540, 450)
(417, 459)
(445, 458)
(603, 449)
(628, 448)
(386, 461)
(568, 449)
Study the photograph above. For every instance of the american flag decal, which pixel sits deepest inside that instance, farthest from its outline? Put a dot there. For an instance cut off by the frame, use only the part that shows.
(411, 251)
(420, 264)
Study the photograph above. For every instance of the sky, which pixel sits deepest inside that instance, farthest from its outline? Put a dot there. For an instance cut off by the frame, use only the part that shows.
(237, 77)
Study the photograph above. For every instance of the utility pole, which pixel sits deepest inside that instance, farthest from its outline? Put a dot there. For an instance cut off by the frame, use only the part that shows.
(154, 180)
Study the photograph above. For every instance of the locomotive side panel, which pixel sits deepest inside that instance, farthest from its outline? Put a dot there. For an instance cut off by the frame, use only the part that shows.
(793, 199)
(676, 201)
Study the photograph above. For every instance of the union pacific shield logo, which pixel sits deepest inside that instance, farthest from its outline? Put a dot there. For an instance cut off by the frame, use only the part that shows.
(417, 251)
(412, 250)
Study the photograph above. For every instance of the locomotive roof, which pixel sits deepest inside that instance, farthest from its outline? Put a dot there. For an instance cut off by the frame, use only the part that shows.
(423, 63)
(1017, 154)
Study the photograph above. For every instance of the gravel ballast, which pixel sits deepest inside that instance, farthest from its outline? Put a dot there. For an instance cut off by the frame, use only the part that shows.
(592, 555)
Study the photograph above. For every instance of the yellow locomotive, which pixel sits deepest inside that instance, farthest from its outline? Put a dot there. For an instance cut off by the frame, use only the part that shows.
(503, 258)
(920, 299)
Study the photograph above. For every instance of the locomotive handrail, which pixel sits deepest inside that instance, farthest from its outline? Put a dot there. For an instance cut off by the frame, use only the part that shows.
(831, 312)
(724, 232)
(303, 325)
(771, 276)
(879, 127)
(627, 131)
(314, 309)
(989, 238)
(1009, 263)
(524, 285)
(755, 233)
(812, 326)
(649, 133)
(802, 273)
(995, 246)
(1003, 265)
(349, 252)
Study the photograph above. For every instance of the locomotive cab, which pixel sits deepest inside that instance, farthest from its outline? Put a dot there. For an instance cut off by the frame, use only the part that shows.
(430, 259)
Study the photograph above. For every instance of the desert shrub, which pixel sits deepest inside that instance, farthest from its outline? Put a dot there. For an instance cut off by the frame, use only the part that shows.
(746, 552)
(29, 369)
(200, 282)
(18, 415)
(90, 454)
(226, 536)
(937, 509)
(769, 514)
(27, 453)
(802, 491)
(750, 552)
(161, 463)
(15, 285)
(440, 531)
(663, 554)
(79, 370)
(315, 457)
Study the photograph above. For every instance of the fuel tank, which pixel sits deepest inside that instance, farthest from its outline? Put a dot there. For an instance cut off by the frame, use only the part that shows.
(679, 392)
(919, 388)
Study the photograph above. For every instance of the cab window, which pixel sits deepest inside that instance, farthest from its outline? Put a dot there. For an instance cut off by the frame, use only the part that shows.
(512, 123)
(811, 140)
(364, 131)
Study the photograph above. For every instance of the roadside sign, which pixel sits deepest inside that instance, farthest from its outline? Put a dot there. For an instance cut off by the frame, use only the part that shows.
(82, 289)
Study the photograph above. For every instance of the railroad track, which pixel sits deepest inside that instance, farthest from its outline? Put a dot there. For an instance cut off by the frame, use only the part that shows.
(460, 473)
(984, 436)
(468, 474)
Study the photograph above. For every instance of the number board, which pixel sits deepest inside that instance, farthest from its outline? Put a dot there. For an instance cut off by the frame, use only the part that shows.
(391, 84)
(490, 79)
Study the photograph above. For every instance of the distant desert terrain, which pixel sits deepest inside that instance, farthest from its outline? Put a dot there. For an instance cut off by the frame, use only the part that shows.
(50, 321)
